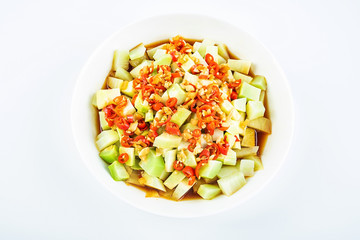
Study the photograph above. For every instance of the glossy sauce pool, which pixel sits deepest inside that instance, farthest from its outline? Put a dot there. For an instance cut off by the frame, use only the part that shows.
(261, 138)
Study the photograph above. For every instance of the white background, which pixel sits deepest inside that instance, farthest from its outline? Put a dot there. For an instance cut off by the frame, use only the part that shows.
(46, 192)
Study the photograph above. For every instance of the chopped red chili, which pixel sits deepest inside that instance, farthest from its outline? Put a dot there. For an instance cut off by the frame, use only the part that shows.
(178, 165)
(157, 106)
(126, 141)
(199, 165)
(171, 102)
(123, 158)
(172, 128)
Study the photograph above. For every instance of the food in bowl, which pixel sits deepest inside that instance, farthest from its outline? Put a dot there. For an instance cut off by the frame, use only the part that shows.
(182, 118)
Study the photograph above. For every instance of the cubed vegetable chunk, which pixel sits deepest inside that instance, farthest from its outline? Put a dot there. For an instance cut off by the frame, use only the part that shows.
(242, 66)
(106, 138)
(208, 191)
(211, 169)
(166, 140)
(250, 92)
(255, 109)
(247, 167)
(110, 154)
(231, 183)
(180, 116)
(118, 171)
(105, 97)
(261, 124)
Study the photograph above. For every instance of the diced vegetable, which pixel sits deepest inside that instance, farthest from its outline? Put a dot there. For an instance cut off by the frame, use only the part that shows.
(204, 44)
(213, 51)
(211, 169)
(223, 51)
(249, 138)
(175, 91)
(136, 71)
(189, 126)
(153, 165)
(121, 59)
(243, 77)
(166, 140)
(123, 74)
(114, 82)
(159, 53)
(109, 154)
(226, 171)
(226, 106)
(118, 171)
(208, 191)
(239, 104)
(231, 183)
(190, 159)
(127, 88)
(164, 60)
(137, 52)
(196, 46)
(261, 124)
(106, 138)
(229, 159)
(105, 97)
(180, 116)
(187, 65)
(152, 51)
(103, 123)
(242, 66)
(174, 179)
(200, 58)
(170, 157)
(259, 82)
(218, 134)
(249, 92)
(221, 60)
(257, 162)
(255, 109)
(136, 62)
(182, 188)
(235, 127)
(164, 175)
(140, 105)
(149, 115)
(247, 167)
(193, 79)
(131, 153)
(243, 152)
(152, 181)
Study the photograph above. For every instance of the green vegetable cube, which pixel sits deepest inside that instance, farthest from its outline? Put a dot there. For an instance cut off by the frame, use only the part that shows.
(118, 171)
(247, 167)
(180, 116)
(249, 92)
(208, 191)
(259, 82)
(255, 109)
(109, 154)
(211, 169)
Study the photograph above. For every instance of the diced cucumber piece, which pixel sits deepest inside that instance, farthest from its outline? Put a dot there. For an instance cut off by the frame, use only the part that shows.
(174, 179)
(239, 104)
(196, 46)
(180, 116)
(236, 116)
(103, 123)
(235, 128)
(136, 165)
(152, 51)
(189, 126)
(136, 71)
(208, 191)
(257, 162)
(149, 115)
(131, 152)
(182, 188)
(121, 59)
(227, 170)
(106, 138)
(249, 138)
(140, 105)
(244, 152)
(174, 91)
(166, 140)
(109, 154)
(153, 165)
(200, 58)
(204, 44)
(152, 181)
(262, 96)
(211, 169)
(223, 51)
(247, 167)
(123, 74)
(242, 77)
(230, 138)
(187, 65)
(221, 60)
(229, 159)
(218, 134)
(164, 175)
(259, 82)
(164, 60)
(137, 52)
(236, 145)
(261, 124)
(231, 183)
(94, 101)
(190, 159)
(249, 92)
(170, 158)
(159, 53)
(128, 89)
(128, 109)
(136, 62)
(183, 145)
(255, 109)
(193, 79)
(114, 82)
(213, 51)
(226, 106)
(118, 171)
(242, 66)
(105, 96)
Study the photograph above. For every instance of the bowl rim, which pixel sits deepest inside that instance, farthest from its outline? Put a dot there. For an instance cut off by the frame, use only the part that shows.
(220, 20)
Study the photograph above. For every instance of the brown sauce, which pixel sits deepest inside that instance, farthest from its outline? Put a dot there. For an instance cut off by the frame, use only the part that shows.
(261, 138)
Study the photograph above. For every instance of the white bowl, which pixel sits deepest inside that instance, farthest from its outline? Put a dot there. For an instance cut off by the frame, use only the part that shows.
(157, 28)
